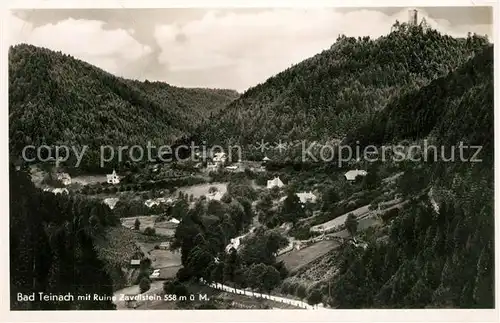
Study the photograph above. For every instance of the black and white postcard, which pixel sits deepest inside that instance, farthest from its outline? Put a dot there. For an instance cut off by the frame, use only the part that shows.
(315, 158)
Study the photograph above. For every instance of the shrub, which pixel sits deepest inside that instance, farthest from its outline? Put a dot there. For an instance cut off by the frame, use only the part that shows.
(387, 216)
(301, 291)
(149, 231)
(314, 297)
(145, 284)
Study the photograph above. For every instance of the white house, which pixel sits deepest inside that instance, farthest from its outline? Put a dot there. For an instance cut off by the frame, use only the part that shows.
(64, 178)
(235, 243)
(135, 262)
(275, 182)
(151, 203)
(57, 190)
(174, 220)
(307, 197)
(266, 159)
(111, 202)
(113, 178)
(217, 196)
(157, 201)
(352, 174)
(232, 167)
(165, 245)
(212, 167)
(220, 158)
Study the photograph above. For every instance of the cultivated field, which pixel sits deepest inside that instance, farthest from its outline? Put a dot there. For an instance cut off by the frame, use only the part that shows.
(118, 246)
(294, 260)
(167, 261)
(166, 228)
(338, 221)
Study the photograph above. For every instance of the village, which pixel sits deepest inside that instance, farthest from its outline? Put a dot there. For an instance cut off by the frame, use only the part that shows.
(146, 211)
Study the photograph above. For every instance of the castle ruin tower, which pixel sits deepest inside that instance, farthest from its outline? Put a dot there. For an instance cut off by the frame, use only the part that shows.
(412, 17)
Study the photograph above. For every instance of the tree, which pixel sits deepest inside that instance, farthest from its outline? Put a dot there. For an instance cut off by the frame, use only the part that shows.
(262, 247)
(144, 284)
(329, 198)
(263, 208)
(174, 287)
(137, 224)
(242, 189)
(212, 190)
(149, 231)
(419, 296)
(292, 210)
(270, 278)
(314, 297)
(300, 291)
(262, 277)
(226, 198)
(483, 290)
(351, 224)
(231, 264)
(371, 180)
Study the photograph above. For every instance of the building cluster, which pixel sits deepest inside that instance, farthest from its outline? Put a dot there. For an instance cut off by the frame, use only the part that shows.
(158, 201)
(64, 178)
(113, 178)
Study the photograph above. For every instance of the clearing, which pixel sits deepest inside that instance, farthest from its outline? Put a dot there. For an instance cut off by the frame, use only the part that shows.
(294, 260)
(165, 228)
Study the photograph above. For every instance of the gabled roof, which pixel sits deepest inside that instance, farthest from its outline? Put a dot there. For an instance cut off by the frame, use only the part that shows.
(111, 202)
(352, 174)
(306, 197)
(215, 196)
(113, 174)
(303, 197)
(275, 182)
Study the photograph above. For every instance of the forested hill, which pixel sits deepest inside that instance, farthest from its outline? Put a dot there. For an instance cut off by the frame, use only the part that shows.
(432, 257)
(55, 98)
(456, 107)
(328, 95)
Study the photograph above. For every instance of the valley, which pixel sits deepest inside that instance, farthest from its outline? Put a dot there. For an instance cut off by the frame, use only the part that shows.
(267, 229)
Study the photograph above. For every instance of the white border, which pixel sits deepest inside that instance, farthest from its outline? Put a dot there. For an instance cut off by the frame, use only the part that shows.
(429, 315)
(72, 4)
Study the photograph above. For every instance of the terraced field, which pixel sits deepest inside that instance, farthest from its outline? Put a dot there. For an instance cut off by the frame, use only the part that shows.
(118, 246)
(296, 259)
(116, 249)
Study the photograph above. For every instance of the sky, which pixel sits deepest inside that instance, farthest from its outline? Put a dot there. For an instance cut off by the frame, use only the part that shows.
(217, 48)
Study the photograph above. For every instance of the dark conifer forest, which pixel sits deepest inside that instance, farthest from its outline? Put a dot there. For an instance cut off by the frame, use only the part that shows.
(57, 99)
(432, 258)
(330, 94)
(52, 247)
